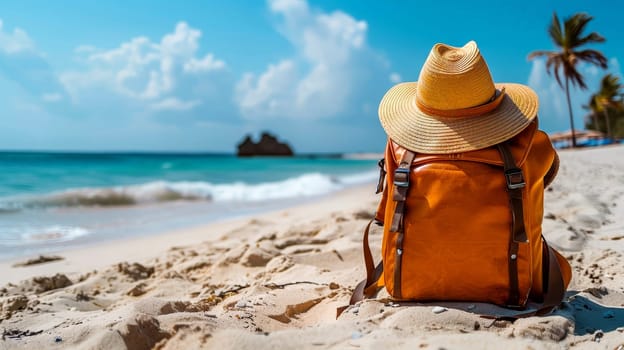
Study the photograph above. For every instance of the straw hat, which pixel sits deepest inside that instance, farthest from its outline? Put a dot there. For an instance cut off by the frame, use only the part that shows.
(455, 106)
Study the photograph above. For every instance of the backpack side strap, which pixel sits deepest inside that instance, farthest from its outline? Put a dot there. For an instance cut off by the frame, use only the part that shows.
(382, 175)
(367, 288)
(554, 281)
(552, 171)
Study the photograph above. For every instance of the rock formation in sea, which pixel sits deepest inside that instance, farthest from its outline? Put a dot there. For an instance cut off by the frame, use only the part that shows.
(267, 146)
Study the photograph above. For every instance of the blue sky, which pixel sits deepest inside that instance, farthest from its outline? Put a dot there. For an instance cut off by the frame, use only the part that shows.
(197, 76)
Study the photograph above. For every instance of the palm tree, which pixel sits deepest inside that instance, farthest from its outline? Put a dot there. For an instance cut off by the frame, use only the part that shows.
(608, 97)
(569, 40)
(593, 109)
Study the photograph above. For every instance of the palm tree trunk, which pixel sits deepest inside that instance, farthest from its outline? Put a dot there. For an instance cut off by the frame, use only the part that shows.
(606, 114)
(570, 110)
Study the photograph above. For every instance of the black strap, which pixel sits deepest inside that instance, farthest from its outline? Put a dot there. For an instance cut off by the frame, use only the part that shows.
(382, 175)
(552, 171)
(515, 183)
(401, 185)
(553, 285)
(552, 280)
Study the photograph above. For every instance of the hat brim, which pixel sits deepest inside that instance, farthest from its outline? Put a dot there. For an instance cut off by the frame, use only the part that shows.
(414, 129)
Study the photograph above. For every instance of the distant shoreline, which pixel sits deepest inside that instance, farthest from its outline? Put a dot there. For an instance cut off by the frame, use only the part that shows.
(363, 156)
(344, 155)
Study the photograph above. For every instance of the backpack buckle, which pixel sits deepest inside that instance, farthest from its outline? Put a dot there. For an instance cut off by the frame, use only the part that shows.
(514, 178)
(401, 177)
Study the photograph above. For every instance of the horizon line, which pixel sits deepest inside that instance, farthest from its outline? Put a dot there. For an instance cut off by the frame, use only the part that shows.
(170, 152)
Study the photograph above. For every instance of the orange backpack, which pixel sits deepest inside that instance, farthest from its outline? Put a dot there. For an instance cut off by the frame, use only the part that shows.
(467, 226)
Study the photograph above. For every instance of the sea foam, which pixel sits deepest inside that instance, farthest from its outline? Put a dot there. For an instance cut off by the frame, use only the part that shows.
(306, 185)
(27, 235)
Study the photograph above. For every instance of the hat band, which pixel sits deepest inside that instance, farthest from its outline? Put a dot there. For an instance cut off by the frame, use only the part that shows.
(487, 107)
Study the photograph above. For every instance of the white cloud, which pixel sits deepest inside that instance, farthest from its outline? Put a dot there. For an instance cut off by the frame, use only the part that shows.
(289, 6)
(552, 97)
(85, 49)
(52, 97)
(174, 104)
(395, 78)
(145, 72)
(270, 90)
(24, 65)
(319, 82)
(614, 65)
(205, 64)
(14, 42)
(182, 42)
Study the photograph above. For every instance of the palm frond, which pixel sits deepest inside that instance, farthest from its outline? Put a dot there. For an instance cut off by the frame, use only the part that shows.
(574, 26)
(590, 39)
(574, 76)
(610, 85)
(591, 104)
(558, 64)
(540, 53)
(610, 93)
(593, 57)
(555, 31)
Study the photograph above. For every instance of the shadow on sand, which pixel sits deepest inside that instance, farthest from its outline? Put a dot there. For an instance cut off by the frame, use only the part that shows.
(587, 314)
(591, 316)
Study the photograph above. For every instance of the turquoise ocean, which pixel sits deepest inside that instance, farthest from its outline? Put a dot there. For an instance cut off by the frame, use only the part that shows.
(54, 201)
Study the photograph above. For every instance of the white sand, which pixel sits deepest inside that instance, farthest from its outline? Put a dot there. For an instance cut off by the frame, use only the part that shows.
(275, 281)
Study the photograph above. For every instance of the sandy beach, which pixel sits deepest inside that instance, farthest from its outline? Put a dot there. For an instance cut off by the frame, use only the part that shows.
(275, 281)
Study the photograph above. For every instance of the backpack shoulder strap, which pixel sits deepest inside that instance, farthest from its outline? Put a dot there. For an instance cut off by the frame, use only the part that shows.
(400, 188)
(554, 281)
(515, 184)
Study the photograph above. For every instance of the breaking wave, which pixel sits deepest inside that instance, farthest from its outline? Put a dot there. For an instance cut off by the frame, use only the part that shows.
(306, 185)
(40, 235)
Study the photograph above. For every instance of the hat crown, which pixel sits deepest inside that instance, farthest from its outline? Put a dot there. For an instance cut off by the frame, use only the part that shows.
(455, 78)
